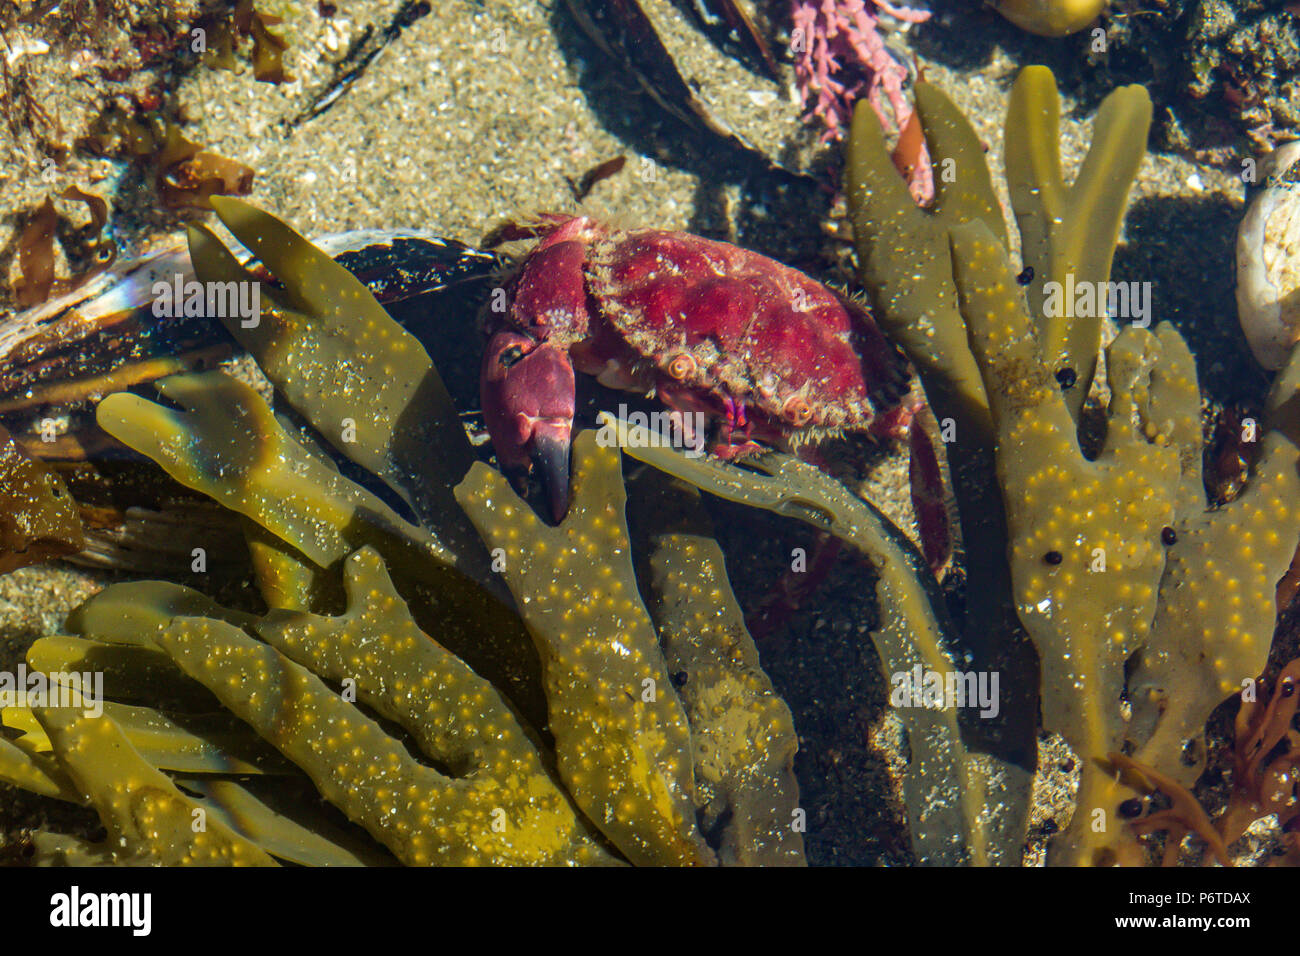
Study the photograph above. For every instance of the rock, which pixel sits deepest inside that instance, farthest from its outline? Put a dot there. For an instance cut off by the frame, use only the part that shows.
(1268, 260)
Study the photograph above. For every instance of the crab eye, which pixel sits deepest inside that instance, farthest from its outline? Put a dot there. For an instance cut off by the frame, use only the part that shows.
(510, 356)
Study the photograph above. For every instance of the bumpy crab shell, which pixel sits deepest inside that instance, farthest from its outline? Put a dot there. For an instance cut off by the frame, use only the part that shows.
(726, 321)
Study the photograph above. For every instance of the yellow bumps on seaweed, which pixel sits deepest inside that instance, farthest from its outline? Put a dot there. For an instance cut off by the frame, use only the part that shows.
(499, 806)
(1146, 608)
(1217, 597)
(1071, 519)
(1050, 18)
(407, 702)
(742, 734)
(149, 821)
(621, 734)
(1086, 549)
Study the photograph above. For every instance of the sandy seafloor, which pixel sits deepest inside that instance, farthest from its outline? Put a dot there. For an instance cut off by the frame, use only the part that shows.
(484, 110)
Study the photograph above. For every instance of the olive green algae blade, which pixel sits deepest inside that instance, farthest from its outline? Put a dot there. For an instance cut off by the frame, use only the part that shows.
(362, 380)
(130, 672)
(742, 733)
(1059, 503)
(905, 260)
(52, 849)
(1085, 536)
(35, 772)
(147, 817)
(1068, 234)
(414, 810)
(133, 611)
(286, 578)
(962, 807)
(328, 341)
(621, 735)
(230, 446)
(1218, 607)
(112, 634)
(281, 836)
(963, 187)
(38, 518)
(190, 743)
(1031, 138)
(457, 718)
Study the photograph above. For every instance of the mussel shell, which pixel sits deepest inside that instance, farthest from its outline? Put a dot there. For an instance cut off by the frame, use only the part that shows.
(396, 266)
(104, 337)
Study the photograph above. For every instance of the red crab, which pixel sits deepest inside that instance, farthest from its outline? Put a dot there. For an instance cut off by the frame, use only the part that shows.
(765, 352)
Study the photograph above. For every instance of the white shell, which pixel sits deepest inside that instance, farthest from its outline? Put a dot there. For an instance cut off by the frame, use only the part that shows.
(1268, 260)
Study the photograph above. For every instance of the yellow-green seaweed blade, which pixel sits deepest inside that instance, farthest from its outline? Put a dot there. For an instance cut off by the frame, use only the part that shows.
(904, 263)
(905, 260)
(622, 738)
(1068, 234)
(34, 772)
(230, 446)
(286, 578)
(279, 835)
(1218, 606)
(742, 733)
(457, 718)
(133, 611)
(362, 380)
(963, 184)
(149, 821)
(962, 807)
(415, 811)
(1085, 536)
(130, 672)
(190, 743)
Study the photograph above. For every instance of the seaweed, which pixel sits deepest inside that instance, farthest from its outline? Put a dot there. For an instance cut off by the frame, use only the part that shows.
(38, 518)
(1147, 606)
(962, 806)
(36, 256)
(232, 28)
(36, 281)
(184, 175)
(382, 635)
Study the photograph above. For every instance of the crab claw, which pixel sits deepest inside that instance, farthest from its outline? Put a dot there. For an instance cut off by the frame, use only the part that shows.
(527, 388)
